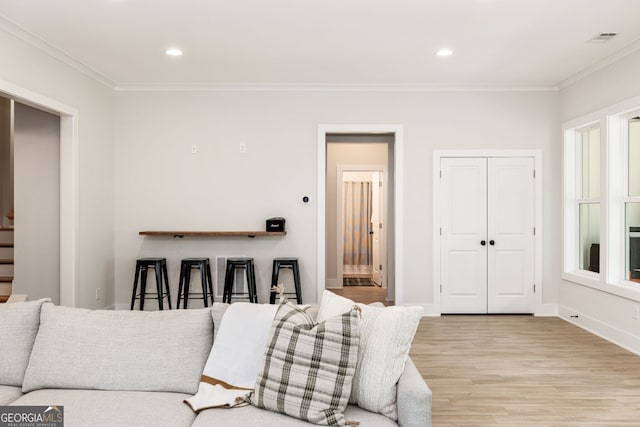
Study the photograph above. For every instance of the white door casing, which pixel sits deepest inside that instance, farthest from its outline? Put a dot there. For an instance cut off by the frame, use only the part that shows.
(375, 228)
(463, 229)
(396, 204)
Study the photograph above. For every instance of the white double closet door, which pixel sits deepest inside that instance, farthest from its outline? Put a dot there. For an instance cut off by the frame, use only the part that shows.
(487, 241)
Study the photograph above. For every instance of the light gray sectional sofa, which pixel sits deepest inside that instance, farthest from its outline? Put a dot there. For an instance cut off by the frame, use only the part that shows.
(123, 368)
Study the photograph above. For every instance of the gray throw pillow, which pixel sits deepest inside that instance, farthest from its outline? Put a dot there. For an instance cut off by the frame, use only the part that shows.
(120, 350)
(18, 328)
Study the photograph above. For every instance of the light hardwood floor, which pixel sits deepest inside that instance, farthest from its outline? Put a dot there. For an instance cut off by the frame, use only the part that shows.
(525, 371)
(364, 294)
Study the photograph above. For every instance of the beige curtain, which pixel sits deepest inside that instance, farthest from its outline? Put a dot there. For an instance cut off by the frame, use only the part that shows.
(356, 221)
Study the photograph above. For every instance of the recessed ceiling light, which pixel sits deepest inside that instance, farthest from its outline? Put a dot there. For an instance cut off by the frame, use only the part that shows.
(444, 52)
(173, 52)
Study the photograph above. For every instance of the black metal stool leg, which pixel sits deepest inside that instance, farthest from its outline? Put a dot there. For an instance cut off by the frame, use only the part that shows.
(296, 282)
(210, 284)
(203, 283)
(251, 280)
(275, 271)
(181, 284)
(187, 285)
(166, 282)
(143, 287)
(135, 284)
(158, 269)
(228, 283)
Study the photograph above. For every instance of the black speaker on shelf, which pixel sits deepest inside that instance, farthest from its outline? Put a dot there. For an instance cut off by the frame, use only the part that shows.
(275, 224)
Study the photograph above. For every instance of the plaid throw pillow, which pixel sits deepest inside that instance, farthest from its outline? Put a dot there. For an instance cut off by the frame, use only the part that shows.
(308, 368)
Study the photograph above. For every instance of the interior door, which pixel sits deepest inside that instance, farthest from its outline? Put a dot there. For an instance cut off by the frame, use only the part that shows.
(510, 231)
(376, 227)
(463, 230)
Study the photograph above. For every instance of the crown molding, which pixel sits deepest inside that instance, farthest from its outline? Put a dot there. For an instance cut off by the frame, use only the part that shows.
(26, 36)
(346, 87)
(32, 39)
(621, 54)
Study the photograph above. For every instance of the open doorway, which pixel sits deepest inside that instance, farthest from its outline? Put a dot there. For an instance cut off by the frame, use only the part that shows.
(394, 256)
(29, 201)
(361, 225)
(68, 187)
(356, 218)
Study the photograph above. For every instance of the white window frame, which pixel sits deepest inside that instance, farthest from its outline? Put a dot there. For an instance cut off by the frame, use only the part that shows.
(613, 196)
(573, 199)
(579, 189)
(623, 120)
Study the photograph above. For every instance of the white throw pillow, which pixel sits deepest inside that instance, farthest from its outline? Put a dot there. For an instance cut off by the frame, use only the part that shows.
(386, 334)
(19, 324)
(235, 357)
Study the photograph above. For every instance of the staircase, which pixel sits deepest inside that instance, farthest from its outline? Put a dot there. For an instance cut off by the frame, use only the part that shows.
(6, 262)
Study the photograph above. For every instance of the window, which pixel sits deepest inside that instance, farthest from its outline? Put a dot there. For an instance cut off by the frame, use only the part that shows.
(632, 198)
(589, 198)
(602, 200)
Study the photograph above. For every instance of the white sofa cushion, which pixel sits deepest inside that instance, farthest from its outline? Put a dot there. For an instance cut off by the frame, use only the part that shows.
(386, 334)
(308, 367)
(120, 350)
(8, 394)
(250, 416)
(18, 328)
(99, 408)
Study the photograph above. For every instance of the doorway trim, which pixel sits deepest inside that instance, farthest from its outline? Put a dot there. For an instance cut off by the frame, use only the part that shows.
(68, 182)
(396, 206)
(342, 168)
(539, 309)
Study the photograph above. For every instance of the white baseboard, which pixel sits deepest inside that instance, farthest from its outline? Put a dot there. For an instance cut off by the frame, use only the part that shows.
(333, 284)
(433, 310)
(546, 310)
(428, 310)
(603, 330)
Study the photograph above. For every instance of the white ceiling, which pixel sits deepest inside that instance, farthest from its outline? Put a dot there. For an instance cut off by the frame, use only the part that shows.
(330, 42)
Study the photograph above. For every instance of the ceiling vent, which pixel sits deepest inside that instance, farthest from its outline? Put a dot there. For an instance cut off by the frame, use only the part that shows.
(603, 37)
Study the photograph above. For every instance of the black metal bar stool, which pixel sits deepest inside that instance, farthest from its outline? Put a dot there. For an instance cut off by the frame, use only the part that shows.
(186, 266)
(291, 263)
(247, 265)
(160, 267)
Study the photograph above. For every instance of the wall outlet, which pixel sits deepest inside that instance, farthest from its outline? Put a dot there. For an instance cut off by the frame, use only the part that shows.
(242, 148)
(97, 294)
(636, 311)
(194, 149)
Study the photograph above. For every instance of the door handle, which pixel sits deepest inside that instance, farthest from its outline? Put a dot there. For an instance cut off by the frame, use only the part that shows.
(492, 242)
(483, 242)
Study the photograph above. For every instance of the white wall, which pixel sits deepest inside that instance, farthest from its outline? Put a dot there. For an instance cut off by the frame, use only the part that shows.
(159, 184)
(37, 203)
(606, 314)
(30, 68)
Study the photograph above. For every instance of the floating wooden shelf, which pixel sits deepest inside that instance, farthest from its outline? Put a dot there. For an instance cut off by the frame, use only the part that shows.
(213, 233)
